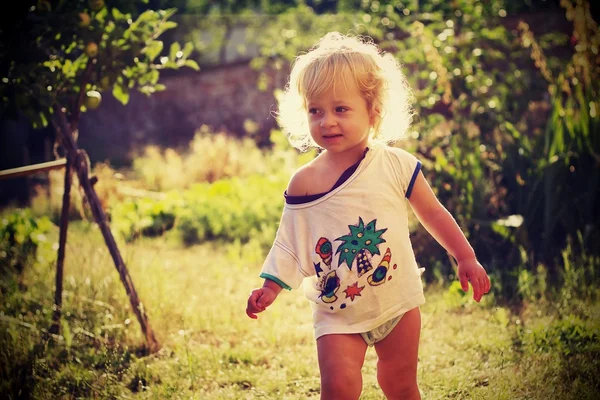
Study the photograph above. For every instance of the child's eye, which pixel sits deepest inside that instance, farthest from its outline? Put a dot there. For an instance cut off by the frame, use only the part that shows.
(313, 111)
(341, 109)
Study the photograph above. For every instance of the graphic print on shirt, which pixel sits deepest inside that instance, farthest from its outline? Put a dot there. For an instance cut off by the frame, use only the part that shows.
(329, 283)
(353, 290)
(332, 285)
(378, 276)
(362, 238)
(318, 269)
(324, 249)
(361, 244)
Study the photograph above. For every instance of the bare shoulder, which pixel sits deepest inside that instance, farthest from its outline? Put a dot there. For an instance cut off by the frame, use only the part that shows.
(299, 184)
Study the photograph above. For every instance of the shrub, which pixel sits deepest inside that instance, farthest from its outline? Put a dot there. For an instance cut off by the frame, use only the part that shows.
(144, 217)
(570, 335)
(236, 209)
(20, 236)
(209, 157)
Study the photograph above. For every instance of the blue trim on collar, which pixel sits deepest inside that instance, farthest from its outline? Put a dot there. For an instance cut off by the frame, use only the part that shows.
(312, 197)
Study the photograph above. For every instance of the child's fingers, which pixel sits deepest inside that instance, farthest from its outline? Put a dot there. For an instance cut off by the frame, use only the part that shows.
(484, 283)
(261, 302)
(464, 282)
(253, 307)
(477, 289)
(251, 314)
(254, 297)
(265, 301)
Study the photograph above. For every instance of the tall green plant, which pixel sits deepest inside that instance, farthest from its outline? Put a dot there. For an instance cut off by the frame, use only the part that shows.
(557, 174)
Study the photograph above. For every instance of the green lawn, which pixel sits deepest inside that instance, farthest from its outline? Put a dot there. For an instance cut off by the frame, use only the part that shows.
(195, 298)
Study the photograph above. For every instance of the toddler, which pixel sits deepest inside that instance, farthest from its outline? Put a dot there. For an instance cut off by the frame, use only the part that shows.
(344, 231)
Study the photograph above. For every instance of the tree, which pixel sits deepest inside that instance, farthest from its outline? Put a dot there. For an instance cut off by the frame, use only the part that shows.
(68, 49)
(65, 55)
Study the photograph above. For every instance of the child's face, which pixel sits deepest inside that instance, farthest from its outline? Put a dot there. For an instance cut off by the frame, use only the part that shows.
(339, 120)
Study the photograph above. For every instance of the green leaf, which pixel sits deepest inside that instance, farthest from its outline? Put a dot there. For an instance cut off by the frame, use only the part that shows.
(187, 49)
(69, 69)
(43, 119)
(147, 90)
(52, 64)
(146, 16)
(153, 49)
(175, 48)
(168, 13)
(192, 64)
(168, 25)
(101, 15)
(151, 77)
(121, 93)
(72, 46)
(118, 15)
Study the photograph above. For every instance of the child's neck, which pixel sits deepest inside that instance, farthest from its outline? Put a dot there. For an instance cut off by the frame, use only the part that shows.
(346, 158)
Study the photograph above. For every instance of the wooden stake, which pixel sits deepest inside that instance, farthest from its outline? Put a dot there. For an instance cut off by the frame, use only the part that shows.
(82, 168)
(62, 242)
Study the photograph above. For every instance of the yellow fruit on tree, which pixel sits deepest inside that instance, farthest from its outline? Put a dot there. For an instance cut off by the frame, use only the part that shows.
(105, 83)
(92, 99)
(96, 5)
(91, 49)
(84, 20)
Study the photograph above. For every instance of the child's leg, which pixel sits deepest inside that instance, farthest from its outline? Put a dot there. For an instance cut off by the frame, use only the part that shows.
(397, 363)
(341, 358)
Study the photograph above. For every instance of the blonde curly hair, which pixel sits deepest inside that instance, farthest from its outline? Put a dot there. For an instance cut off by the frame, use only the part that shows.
(334, 60)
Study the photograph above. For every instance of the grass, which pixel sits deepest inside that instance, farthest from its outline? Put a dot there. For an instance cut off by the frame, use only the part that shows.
(196, 298)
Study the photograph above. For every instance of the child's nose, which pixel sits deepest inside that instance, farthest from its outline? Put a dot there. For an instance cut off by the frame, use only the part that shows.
(327, 120)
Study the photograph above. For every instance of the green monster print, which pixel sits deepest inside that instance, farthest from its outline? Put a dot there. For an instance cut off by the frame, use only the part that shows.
(362, 238)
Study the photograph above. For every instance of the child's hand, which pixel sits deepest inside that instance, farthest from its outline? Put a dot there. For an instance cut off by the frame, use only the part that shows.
(259, 300)
(471, 271)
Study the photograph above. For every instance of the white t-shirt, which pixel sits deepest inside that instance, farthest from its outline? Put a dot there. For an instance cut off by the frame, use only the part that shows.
(350, 249)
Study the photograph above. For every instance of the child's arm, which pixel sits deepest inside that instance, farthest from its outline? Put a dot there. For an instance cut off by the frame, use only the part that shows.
(262, 297)
(442, 226)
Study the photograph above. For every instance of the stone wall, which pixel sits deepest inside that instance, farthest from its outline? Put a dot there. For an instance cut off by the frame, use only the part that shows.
(223, 98)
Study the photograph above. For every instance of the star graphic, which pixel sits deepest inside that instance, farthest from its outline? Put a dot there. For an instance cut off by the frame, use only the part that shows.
(318, 269)
(353, 291)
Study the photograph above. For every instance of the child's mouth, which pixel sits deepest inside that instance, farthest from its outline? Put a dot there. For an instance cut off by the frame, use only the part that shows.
(331, 136)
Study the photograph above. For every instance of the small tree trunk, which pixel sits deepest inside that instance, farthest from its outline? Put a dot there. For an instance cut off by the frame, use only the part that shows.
(100, 218)
(82, 168)
(62, 241)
